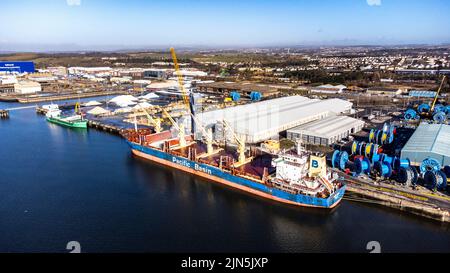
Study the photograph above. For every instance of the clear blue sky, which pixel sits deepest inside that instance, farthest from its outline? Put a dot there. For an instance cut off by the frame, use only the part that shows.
(215, 23)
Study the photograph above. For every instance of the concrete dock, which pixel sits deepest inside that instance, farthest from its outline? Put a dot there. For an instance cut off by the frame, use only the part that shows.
(419, 202)
(57, 97)
(104, 127)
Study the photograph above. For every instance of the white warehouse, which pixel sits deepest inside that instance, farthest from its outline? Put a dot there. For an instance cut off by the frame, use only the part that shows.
(260, 121)
(326, 131)
(27, 87)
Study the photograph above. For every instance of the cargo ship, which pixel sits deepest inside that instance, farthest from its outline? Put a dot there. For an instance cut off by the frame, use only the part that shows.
(297, 178)
(54, 116)
(75, 121)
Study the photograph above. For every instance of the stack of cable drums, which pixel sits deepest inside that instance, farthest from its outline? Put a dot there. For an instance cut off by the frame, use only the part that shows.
(435, 180)
(447, 171)
(366, 149)
(433, 177)
(383, 169)
(424, 108)
(339, 159)
(362, 165)
(255, 96)
(235, 96)
(440, 117)
(429, 164)
(407, 176)
(410, 114)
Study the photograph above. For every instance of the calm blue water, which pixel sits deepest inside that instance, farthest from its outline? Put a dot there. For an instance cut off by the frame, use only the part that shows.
(59, 185)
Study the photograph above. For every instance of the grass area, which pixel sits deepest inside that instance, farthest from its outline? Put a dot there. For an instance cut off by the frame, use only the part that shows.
(286, 144)
(19, 57)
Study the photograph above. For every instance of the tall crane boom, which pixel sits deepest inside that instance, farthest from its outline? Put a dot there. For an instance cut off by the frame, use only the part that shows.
(437, 94)
(180, 79)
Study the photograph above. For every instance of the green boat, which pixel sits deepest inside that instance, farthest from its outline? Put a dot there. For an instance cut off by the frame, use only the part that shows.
(73, 121)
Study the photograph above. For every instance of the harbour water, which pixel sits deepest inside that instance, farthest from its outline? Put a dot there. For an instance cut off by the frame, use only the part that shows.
(59, 185)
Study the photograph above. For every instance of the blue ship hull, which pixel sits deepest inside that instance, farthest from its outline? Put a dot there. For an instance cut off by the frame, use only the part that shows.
(218, 175)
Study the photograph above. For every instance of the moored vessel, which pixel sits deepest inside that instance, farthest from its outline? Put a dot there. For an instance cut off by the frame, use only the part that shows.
(296, 178)
(75, 121)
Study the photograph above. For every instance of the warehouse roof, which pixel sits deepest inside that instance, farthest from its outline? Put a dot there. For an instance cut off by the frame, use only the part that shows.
(330, 87)
(421, 93)
(259, 121)
(383, 89)
(328, 127)
(244, 86)
(429, 140)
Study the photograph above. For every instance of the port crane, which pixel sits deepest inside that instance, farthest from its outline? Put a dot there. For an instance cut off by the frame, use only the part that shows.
(207, 133)
(241, 146)
(437, 94)
(424, 110)
(180, 78)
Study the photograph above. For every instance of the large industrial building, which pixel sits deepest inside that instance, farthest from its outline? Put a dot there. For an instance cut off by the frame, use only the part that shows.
(329, 89)
(326, 131)
(27, 87)
(17, 67)
(429, 140)
(244, 88)
(155, 73)
(384, 91)
(422, 94)
(263, 120)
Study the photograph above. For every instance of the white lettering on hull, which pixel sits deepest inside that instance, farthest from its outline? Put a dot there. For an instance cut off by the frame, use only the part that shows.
(186, 163)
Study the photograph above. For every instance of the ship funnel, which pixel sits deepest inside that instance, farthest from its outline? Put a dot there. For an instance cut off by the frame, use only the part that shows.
(317, 166)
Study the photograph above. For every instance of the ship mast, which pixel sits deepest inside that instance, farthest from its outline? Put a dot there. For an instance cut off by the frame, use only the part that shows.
(300, 148)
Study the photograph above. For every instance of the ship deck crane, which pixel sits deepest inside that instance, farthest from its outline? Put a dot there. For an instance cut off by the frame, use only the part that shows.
(241, 146)
(156, 123)
(208, 135)
(179, 128)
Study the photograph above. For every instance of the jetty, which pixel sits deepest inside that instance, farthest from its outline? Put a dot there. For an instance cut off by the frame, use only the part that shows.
(57, 97)
(4, 114)
(419, 202)
(104, 127)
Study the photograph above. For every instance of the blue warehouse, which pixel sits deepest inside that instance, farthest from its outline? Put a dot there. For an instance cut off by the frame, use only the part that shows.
(17, 67)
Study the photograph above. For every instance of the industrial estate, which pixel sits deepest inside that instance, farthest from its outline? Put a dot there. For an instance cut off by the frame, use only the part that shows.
(301, 127)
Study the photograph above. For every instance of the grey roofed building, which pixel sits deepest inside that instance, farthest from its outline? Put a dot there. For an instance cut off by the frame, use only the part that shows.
(259, 121)
(326, 131)
(329, 89)
(384, 90)
(422, 94)
(429, 140)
